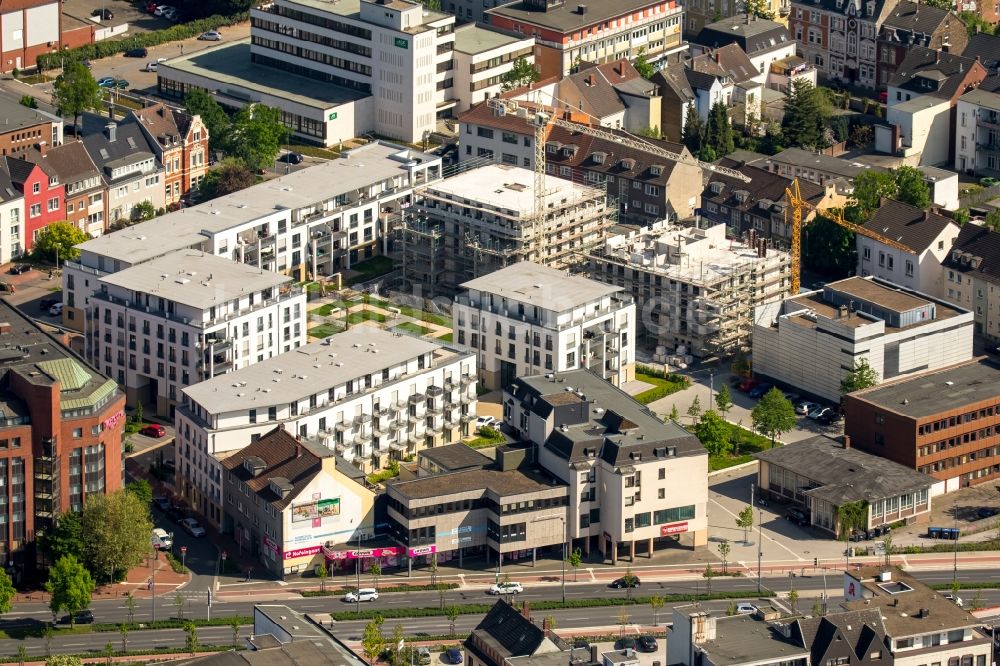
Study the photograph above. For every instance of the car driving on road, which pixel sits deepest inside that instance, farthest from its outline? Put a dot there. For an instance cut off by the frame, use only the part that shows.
(506, 588)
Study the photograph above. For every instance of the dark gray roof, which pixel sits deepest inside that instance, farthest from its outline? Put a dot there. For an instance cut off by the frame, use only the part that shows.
(675, 78)
(564, 16)
(8, 191)
(844, 475)
(504, 633)
(844, 8)
(454, 457)
(859, 629)
(917, 20)
(744, 639)
(130, 144)
(986, 48)
(729, 60)
(70, 161)
(930, 72)
(699, 80)
(19, 170)
(498, 483)
(765, 191)
(976, 241)
(616, 426)
(935, 392)
(17, 116)
(598, 91)
(914, 227)
(753, 36)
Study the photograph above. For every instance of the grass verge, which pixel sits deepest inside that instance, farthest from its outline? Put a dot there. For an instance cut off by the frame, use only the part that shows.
(744, 443)
(447, 337)
(663, 384)
(370, 269)
(367, 315)
(410, 327)
(324, 330)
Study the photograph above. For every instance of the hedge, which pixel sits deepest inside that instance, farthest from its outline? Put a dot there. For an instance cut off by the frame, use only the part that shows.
(392, 588)
(14, 659)
(223, 621)
(110, 47)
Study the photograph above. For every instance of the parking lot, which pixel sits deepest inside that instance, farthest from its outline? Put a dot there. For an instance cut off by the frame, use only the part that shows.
(124, 12)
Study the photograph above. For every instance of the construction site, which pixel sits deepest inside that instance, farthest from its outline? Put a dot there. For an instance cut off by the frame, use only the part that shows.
(487, 218)
(695, 290)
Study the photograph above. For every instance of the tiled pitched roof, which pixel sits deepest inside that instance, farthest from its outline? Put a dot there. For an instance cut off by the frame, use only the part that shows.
(843, 7)
(765, 191)
(160, 119)
(976, 241)
(910, 18)
(986, 48)
(18, 170)
(70, 161)
(283, 457)
(913, 227)
(8, 191)
(130, 142)
(699, 80)
(858, 628)
(922, 64)
(730, 60)
(675, 79)
(505, 632)
(753, 36)
(597, 92)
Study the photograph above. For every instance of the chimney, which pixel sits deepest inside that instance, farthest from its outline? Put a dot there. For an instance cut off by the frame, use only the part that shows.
(581, 9)
(715, 54)
(111, 131)
(298, 449)
(847, 441)
(620, 68)
(42, 147)
(593, 655)
(937, 57)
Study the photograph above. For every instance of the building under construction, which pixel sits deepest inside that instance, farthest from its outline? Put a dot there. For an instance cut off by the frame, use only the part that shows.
(695, 290)
(485, 219)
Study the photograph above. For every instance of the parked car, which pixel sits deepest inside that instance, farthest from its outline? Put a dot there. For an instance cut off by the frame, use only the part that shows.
(106, 82)
(580, 643)
(631, 581)
(56, 309)
(170, 14)
(158, 11)
(292, 158)
(18, 269)
(104, 14)
(454, 656)
(364, 594)
(86, 616)
(151, 66)
(758, 391)
(506, 588)
(211, 36)
(193, 527)
(883, 97)
(161, 503)
(626, 643)
(987, 512)
(122, 84)
(797, 516)
(805, 407)
(139, 52)
(485, 422)
(747, 384)
(818, 412)
(830, 417)
(153, 430)
(647, 644)
(958, 600)
(989, 181)
(423, 655)
(745, 608)
(162, 539)
(46, 303)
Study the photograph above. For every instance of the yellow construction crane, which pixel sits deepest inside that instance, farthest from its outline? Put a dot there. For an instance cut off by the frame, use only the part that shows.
(798, 205)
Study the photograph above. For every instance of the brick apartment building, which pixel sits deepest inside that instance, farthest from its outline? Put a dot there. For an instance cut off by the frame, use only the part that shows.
(180, 143)
(944, 423)
(24, 127)
(28, 28)
(913, 24)
(61, 432)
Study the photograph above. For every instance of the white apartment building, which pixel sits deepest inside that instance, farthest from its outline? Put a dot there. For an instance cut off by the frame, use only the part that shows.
(811, 341)
(695, 288)
(187, 316)
(528, 319)
(11, 217)
(927, 235)
(317, 221)
(482, 57)
(977, 133)
(633, 479)
(370, 395)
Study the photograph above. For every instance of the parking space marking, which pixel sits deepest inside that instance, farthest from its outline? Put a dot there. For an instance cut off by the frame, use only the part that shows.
(765, 533)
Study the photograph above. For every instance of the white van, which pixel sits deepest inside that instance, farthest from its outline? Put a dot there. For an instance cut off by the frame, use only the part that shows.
(161, 539)
(364, 594)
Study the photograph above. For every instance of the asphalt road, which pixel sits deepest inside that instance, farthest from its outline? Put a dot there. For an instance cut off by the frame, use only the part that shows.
(105, 611)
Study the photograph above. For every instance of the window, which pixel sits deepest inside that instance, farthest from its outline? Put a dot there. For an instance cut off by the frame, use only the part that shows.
(36, 210)
(36, 188)
(909, 268)
(867, 253)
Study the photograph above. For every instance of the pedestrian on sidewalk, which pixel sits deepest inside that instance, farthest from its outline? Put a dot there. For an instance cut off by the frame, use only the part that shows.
(149, 583)
(247, 579)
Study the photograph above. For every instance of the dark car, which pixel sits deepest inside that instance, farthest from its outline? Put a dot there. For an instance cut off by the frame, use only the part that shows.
(797, 516)
(986, 512)
(292, 158)
(105, 14)
(830, 417)
(17, 269)
(626, 643)
(177, 513)
(86, 616)
(139, 52)
(632, 581)
(46, 303)
(453, 656)
(759, 390)
(580, 643)
(162, 503)
(647, 644)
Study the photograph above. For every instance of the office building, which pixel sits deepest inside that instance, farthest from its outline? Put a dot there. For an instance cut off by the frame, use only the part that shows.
(61, 436)
(484, 219)
(187, 316)
(944, 423)
(697, 290)
(369, 395)
(528, 319)
(482, 57)
(313, 222)
(811, 341)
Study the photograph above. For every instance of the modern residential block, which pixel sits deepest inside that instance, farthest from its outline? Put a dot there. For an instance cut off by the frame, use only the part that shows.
(528, 319)
(288, 502)
(187, 316)
(60, 436)
(695, 289)
(811, 341)
(484, 219)
(977, 129)
(482, 57)
(11, 219)
(368, 395)
(945, 423)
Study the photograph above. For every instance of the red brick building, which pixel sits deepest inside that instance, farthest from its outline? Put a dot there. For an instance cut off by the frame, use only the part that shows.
(24, 127)
(180, 142)
(28, 28)
(61, 433)
(945, 423)
(44, 195)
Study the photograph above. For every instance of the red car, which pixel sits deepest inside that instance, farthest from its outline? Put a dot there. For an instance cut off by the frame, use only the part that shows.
(153, 430)
(883, 97)
(748, 384)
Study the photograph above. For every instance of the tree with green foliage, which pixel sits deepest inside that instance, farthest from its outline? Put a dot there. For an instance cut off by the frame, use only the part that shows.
(376, 572)
(744, 521)
(992, 220)
(870, 187)
(69, 586)
(693, 133)
(75, 91)
(758, 8)
(773, 414)
(708, 574)
(57, 241)
(793, 599)
(724, 399)
(130, 605)
(862, 376)
(142, 491)
(234, 626)
(22, 654)
(719, 131)
(724, 549)
(322, 573)
(975, 23)
(629, 579)
(372, 640)
(213, 116)
(228, 176)
(806, 114)
(256, 135)
(143, 211)
(63, 538)
(575, 559)
(190, 637)
(452, 613)
(179, 604)
(48, 633)
(642, 65)
(829, 249)
(521, 74)
(694, 409)
(649, 132)
(946, 5)
(817, 609)
(7, 592)
(118, 528)
(29, 101)
(911, 188)
(851, 516)
(123, 631)
(108, 652)
(674, 414)
(713, 433)
(656, 603)
(961, 216)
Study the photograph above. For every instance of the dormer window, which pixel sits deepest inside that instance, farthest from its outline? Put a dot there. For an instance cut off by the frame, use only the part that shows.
(552, 147)
(716, 187)
(569, 151)
(656, 169)
(53, 181)
(598, 158)
(627, 164)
